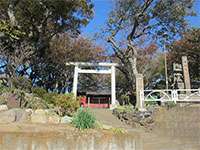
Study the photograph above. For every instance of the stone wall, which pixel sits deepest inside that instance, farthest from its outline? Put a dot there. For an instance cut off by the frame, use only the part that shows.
(31, 116)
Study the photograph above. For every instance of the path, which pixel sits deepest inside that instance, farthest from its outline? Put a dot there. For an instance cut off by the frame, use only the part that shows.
(106, 117)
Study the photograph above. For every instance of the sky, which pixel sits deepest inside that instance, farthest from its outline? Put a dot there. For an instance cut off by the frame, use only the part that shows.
(101, 12)
(103, 7)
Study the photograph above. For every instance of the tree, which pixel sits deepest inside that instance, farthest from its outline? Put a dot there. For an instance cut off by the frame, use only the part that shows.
(52, 72)
(133, 21)
(151, 64)
(188, 46)
(27, 28)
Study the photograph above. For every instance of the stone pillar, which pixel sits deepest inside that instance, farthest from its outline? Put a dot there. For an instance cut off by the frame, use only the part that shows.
(113, 87)
(139, 92)
(75, 81)
(186, 72)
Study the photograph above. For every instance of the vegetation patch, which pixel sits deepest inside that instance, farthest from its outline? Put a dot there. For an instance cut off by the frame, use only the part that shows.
(83, 119)
(118, 130)
(125, 108)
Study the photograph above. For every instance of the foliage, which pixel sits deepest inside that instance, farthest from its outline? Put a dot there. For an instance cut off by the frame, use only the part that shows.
(170, 104)
(27, 30)
(151, 103)
(48, 97)
(35, 103)
(2, 89)
(25, 99)
(98, 125)
(38, 91)
(188, 46)
(125, 108)
(143, 23)
(83, 119)
(10, 31)
(21, 83)
(118, 130)
(124, 99)
(54, 74)
(66, 103)
(2, 100)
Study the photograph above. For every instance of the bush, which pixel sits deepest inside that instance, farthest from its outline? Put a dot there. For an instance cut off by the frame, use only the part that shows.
(124, 99)
(4, 89)
(66, 103)
(2, 100)
(49, 98)
(151, 103)
(40, 92)
(22, 83)
(170, 104)
(125, 108)
(35, 103)
(83, 119)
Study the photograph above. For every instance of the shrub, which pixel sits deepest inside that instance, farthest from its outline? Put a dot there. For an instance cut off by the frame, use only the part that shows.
(35, 103)
(151, 103)
(170, 104)
(49, 98)
(4, 89)
(124, 99)
(38, 91)
(2, 100)
(83, 119)
(22, 83)
(66, 103)
(125, 108)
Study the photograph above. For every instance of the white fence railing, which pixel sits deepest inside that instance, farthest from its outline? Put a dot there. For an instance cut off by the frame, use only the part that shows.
(179, 95)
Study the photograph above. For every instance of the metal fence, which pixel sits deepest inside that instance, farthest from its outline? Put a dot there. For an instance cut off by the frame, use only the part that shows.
(179, 95)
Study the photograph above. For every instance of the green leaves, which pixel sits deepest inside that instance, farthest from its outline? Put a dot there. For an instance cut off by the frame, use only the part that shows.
(27, 31)
(83, 119)
(12, 32)
(187, 46)
(148, 18)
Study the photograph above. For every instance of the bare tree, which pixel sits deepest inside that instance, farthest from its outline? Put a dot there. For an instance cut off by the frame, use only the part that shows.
(134, 20)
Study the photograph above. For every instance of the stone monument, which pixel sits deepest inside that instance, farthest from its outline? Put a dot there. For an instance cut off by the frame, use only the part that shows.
(178, 82)
(140, 92)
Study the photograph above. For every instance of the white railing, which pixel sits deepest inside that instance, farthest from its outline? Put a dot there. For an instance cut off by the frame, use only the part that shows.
(179, 95)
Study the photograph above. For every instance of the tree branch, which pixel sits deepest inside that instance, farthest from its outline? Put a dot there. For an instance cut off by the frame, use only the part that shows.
(145, 6)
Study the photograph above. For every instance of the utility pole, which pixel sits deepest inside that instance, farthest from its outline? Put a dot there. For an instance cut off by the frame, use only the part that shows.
(166, 73)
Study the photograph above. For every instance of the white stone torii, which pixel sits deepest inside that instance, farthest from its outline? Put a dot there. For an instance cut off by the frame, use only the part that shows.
(77, 70)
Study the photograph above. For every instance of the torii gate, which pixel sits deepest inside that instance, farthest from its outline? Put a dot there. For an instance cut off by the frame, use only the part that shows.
(110, 70)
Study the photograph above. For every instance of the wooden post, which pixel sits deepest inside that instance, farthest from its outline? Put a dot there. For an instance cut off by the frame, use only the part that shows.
(108, 102)
(186, 72)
